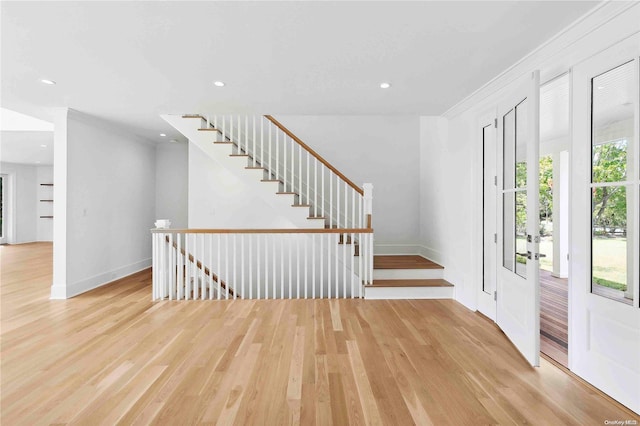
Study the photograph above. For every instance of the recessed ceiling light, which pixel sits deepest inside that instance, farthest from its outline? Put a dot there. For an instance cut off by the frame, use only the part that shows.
(43, 146)
(49, 82)
(218, 83)
(173, 141)
(163, 135)
(600, 87)
(385, 85)
(37, 162)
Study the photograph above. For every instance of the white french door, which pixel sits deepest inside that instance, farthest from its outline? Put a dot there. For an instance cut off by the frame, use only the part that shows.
(518, 295)
(604, 298)
(487, 291)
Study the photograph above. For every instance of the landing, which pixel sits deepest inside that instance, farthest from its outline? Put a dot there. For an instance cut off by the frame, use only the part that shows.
(403, 262)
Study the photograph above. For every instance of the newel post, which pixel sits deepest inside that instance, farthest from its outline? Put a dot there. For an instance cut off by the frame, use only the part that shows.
(368, 202)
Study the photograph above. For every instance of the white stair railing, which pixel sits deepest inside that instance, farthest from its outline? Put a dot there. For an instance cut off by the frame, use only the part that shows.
(261, 263)
(298, 168)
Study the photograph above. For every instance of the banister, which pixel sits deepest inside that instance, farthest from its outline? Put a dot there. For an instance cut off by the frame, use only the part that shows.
(315, 154)
(265, 231)
(199, 265)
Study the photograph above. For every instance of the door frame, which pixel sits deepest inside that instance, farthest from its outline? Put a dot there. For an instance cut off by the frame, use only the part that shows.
(485, 302)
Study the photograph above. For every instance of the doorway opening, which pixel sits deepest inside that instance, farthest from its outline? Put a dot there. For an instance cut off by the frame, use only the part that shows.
(554, 218)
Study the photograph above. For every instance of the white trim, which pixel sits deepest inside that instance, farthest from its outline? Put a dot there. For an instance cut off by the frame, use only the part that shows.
(71, 290)
(407, 274)
(373, 292)
(431, 254)
(582, 27)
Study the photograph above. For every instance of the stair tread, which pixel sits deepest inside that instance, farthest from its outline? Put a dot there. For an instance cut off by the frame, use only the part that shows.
(438, 282)
(193, 116)
(300, 205)
(255, 168)
(210, 129)
(238, 155)
(224, 142)
(403, 262)
(316, 217)
(270, 180)
(287, 193)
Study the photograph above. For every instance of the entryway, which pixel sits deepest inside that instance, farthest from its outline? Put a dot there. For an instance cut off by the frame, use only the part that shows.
(554, 218)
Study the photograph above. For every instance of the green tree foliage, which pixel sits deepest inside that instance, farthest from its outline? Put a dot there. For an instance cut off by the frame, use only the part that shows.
(609, 204)
(546, 190)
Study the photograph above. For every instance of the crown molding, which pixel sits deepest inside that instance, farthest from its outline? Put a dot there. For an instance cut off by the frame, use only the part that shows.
(582, 27)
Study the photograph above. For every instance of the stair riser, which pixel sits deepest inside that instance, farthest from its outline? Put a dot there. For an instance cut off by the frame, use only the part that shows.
(408, 292)
(407, 274)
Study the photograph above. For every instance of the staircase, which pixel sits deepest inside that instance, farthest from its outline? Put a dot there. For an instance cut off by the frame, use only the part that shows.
(407, 277)
(327, 251)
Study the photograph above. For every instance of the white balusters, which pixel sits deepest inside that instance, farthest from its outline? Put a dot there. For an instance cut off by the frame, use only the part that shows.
(308, 181)
(292, 165)
(269, 158)
(254, 152)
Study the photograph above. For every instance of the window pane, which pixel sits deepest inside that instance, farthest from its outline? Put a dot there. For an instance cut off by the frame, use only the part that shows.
(509, 147)
(612, 123)
(521, 145)
(611, 242)
(521, 233)
(508, 234)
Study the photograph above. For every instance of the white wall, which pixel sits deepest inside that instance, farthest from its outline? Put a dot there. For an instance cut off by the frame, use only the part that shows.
(455, 207)
(44, 225)
(434, 203)
(21, 202)
(109, 197)
(172, 183)
(382, 150)
(218, 198)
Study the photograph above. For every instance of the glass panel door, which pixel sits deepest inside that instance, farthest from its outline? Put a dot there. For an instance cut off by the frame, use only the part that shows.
(605, 255)
(518, 295)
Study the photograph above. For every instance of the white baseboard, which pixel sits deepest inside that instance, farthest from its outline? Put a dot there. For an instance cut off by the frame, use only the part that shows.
(60, 292)
(431, 254)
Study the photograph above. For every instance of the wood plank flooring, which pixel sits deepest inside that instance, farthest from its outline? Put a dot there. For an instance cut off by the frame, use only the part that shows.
(554, 335)
(112, 356)
(403, 262)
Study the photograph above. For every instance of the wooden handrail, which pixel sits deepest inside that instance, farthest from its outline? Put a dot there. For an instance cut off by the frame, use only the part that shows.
(207, 271)
(266, 231)
(315, 154)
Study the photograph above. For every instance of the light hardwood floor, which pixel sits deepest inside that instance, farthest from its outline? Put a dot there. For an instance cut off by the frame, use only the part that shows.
(112, 356)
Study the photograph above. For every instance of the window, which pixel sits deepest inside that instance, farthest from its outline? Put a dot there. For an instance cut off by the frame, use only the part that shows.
(515, 189)
(612, 192)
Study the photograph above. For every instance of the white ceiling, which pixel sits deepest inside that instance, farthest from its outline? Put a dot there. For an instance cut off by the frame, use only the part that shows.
(128, 62)
(24, 147)
(554, 110)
